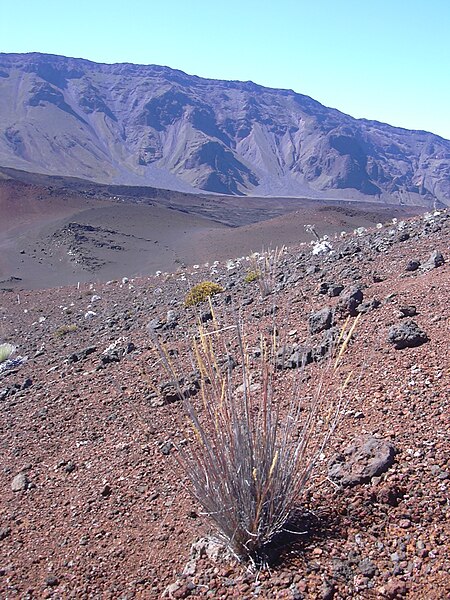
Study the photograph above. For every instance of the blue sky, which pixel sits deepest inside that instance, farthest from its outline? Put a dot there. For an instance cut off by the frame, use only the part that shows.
(387, 60)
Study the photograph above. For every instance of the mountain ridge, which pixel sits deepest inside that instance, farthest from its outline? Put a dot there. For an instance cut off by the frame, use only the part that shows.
(154, 125)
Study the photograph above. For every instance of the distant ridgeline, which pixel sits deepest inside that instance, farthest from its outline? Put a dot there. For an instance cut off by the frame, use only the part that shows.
(152, 125)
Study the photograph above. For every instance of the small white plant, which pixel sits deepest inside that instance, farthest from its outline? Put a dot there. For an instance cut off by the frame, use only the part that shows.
(6, 351)
(360, 231)
(322, 247)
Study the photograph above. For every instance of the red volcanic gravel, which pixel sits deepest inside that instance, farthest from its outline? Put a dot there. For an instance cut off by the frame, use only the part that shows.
(92, 499)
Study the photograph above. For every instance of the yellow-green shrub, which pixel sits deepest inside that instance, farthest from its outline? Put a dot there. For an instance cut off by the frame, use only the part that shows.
(252, 276)
(65, 329)
(201, 292)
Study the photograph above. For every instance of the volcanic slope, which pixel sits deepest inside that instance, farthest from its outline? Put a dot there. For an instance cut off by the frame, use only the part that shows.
(91, 495)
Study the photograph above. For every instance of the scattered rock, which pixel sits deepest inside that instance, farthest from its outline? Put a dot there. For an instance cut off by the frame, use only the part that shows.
(394, 589)
(407, 335)
(106, 491)
(367, 567)
(412, 265)
(407, 311)
(81, 354)
(20, 483)
(436, 260)
(166, 447)
(320, 320)
(350, 299)
(361, 460)
(51, 580)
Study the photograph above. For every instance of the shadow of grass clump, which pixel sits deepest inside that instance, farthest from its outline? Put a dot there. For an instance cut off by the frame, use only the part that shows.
(302, 529)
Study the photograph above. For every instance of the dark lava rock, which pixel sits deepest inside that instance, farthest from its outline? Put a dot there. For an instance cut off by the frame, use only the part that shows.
(366, 307)
(51, 580)
(293, 357)
(361, 460)
(367, 568)
(320, 320)
(206, 316)
(166, 448)
(407, 335)
(81, 354)
(350, 299)
(185, 387)
(4, 533)
(412, 265)
(335, 289)
(436, 260)
(407, 311)
(106, 491)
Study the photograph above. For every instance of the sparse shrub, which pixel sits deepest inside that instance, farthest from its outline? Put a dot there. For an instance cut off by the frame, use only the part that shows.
(65, 329)
(252, 276)
(6, 350)
(201, 292)
(256, 438)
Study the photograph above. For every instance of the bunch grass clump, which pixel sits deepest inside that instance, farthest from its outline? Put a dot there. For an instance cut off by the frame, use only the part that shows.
(266, 264)
(201, 292)
(254, 442)
(6, 351)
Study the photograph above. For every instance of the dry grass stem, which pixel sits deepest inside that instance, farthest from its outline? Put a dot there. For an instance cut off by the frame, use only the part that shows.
(255, 438)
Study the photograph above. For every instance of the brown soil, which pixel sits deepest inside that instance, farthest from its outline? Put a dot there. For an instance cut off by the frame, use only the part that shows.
(56, 232)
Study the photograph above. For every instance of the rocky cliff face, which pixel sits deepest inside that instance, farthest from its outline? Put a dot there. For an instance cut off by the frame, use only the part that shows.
(151, 125)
